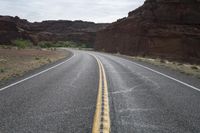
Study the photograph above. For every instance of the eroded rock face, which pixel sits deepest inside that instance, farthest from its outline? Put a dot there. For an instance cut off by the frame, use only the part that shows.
(14, 27)
(160, 28)
(8, 31)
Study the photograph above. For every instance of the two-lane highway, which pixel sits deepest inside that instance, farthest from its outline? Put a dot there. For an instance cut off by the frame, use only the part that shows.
(101, 93)
(62, 99)
(143, 100)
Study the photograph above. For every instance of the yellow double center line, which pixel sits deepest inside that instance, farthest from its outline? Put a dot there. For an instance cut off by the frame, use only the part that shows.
(101, 122)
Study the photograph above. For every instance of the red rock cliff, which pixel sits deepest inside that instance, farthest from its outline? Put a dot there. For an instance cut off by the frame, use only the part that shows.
(61, 30)
(161, 28)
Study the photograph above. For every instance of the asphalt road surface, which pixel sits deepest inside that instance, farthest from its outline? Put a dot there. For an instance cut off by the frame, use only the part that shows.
(64, 98)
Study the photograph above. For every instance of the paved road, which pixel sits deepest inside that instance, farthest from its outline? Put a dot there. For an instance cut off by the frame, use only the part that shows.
(64, 98)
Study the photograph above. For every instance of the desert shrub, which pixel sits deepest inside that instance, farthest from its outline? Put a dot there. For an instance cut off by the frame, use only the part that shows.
(21, 43)
(2, 70)
(83, 46)
(162, 61)
(37, 58)
(63, 44)
(5, 46)
(69, 44)
(53, 49)
(45, 44)
(194, 67)
(49, 60)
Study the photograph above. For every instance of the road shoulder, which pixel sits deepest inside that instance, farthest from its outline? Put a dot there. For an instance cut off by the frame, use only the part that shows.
(35, 70)
(190, 79)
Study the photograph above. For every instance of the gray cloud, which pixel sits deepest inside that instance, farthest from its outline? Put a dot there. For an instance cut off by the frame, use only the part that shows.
(88, 10)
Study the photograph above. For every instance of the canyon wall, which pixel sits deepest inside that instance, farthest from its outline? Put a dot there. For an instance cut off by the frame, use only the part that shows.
(160, 28)
(61, 30)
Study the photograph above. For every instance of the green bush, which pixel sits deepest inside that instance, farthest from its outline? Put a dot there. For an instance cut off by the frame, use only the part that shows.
(21, 43)
(2, 70)
(194, 67)
(37, 58)
(69, 44)
(45, 44)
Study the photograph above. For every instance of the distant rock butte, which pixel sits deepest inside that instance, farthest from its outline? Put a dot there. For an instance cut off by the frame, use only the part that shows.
(160, 28)
(61, 30)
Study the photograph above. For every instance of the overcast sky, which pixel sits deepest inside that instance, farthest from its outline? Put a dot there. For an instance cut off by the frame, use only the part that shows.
(88, 10)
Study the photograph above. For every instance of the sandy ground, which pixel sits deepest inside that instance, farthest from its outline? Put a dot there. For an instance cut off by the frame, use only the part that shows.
(14, 62)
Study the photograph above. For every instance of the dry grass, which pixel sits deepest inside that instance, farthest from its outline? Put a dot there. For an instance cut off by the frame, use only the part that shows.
(15, 62)
(184, 68)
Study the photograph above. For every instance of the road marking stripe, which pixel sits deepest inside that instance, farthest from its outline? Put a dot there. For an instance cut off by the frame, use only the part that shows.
(6, 87)
(96, 122)
(167, 76)
(101, 122)
(106, 105)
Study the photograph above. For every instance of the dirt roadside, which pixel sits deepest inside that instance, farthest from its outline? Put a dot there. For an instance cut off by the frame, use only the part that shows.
(15, 62)
(186, 68)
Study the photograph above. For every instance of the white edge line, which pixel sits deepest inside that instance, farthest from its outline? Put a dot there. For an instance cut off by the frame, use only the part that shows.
(167, 76)
(6, 87)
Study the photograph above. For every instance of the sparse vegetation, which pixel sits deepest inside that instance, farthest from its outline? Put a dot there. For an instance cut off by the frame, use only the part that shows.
(37, 58)
(194, 67)
(5, 46)
(14, 62)
(2, 70)
(21, 43)
(162, 61)
(69, 44)
(189, 69)
(49, 60)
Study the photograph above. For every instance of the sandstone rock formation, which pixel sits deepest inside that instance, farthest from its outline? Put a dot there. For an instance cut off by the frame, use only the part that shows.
(160, 28)
(61, 30)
